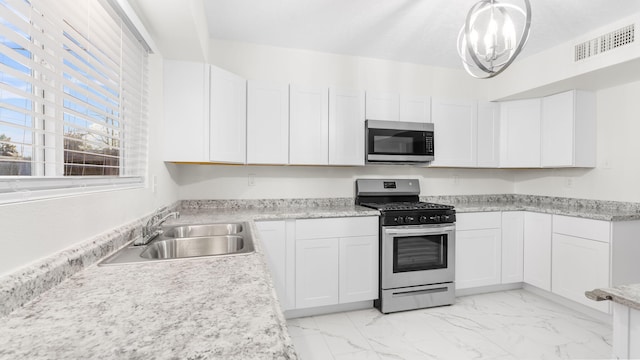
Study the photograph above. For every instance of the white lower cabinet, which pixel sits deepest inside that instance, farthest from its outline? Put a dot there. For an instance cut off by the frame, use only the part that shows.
(317, 265)
(358, 275)
(478, 249)
(580, 258)
(320, 262)
(537, 250)
(512, 246)
(279, 250)
(579, 265)
(336, 261)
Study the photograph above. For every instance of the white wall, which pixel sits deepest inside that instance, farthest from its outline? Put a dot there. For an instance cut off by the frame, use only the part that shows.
(617, 175)
(275, 182)
(34, 230)
(259, 62)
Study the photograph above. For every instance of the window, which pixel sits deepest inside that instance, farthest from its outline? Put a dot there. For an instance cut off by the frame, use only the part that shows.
(73, 82)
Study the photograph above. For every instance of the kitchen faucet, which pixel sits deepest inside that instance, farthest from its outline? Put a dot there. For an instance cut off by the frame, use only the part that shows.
(152, 228)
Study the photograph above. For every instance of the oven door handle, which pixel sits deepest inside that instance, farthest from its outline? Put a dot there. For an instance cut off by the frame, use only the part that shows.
(420, 231)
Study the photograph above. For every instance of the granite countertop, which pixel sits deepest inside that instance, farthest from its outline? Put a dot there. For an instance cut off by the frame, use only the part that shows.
(628, 295)
(205, 308)
(590, 209)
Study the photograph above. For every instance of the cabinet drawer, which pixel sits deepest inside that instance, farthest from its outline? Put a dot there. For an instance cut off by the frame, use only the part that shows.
(336, 227)
(584, 228)
(478, 220)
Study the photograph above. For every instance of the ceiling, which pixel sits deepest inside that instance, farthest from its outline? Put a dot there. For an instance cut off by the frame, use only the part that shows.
(417, 31)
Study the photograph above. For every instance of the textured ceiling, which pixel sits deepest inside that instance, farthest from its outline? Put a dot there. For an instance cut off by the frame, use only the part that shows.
(418, 31)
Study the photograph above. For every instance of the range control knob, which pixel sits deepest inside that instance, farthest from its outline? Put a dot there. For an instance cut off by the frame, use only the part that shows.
(409, 219)
(445, 217)
(422, 219)
(435, 218)
(399, 220)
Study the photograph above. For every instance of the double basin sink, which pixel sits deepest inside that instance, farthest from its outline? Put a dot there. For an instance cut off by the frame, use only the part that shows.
(189, 241)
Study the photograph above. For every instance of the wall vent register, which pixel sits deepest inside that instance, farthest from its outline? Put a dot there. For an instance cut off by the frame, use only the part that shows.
(606, 42)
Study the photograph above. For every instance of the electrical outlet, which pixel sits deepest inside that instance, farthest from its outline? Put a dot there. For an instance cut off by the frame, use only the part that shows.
(154, 184)
(251, 180)
(456, 180)
(568, 182)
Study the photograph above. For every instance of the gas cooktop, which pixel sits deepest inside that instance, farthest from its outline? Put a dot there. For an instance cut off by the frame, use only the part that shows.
(407, 205)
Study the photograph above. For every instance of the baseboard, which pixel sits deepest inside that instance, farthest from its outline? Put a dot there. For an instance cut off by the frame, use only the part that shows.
(488, 289)
(604, 317)
(322, 310)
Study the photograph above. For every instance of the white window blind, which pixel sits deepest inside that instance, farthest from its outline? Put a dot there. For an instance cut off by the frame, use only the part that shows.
(73, 82)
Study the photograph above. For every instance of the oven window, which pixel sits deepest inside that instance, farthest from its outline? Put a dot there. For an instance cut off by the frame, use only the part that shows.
(414, 253)
(394, 142)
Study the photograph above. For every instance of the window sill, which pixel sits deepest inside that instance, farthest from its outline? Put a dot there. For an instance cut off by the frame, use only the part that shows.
(23, 189)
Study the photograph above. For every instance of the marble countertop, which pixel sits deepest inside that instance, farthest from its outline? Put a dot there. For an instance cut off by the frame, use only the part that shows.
(628, 295)
(205, 308)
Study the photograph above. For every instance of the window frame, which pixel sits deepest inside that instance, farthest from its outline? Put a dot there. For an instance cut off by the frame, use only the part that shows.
(40, 185)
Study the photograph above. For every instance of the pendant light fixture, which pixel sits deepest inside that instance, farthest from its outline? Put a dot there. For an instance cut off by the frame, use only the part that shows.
(488, 41)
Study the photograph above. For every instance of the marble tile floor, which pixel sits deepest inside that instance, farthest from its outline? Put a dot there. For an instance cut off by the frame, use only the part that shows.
(505, 325)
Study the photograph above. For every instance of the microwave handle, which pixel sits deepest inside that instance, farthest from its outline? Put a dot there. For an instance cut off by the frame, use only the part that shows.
(427, 230)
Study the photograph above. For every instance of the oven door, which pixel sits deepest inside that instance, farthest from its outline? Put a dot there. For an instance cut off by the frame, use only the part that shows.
(417, 255)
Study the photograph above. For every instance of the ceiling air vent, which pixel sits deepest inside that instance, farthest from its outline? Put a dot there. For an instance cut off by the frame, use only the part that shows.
(606, 42)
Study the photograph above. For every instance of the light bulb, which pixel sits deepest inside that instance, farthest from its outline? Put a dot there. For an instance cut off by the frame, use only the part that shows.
(509, 33)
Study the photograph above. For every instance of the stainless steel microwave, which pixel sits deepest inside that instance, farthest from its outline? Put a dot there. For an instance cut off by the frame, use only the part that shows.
(398, 142)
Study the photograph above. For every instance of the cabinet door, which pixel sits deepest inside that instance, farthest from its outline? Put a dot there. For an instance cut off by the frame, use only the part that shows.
(309, 126)
(455, 131)
(186, 111)
(512, 246)
(415, 108)
(273, 238)
(346, 127)
(316, 272)
(382, 106)
(537, 250)
(478, 257)
(569, 129)
(579, 265)
(557, 130)
(358, 268)
(267, 123)
(520, 133)
(488, 134)
(228, 117)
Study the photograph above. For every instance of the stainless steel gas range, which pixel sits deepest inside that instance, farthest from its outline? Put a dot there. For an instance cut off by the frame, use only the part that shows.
(417, 245)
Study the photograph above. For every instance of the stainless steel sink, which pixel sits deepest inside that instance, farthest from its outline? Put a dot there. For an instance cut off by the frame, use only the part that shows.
(196, 246)
(185, 231)
(189, 241)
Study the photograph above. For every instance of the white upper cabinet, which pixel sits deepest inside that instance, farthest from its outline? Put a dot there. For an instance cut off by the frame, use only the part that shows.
(488, 134)
(346, 127)
(382, 106)
(309, 125)
(569, 129)
(228, 117)
(415, 108)
(267, 123)
(520, 133)
(395, 107)
(455, 131)
(186, 111)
